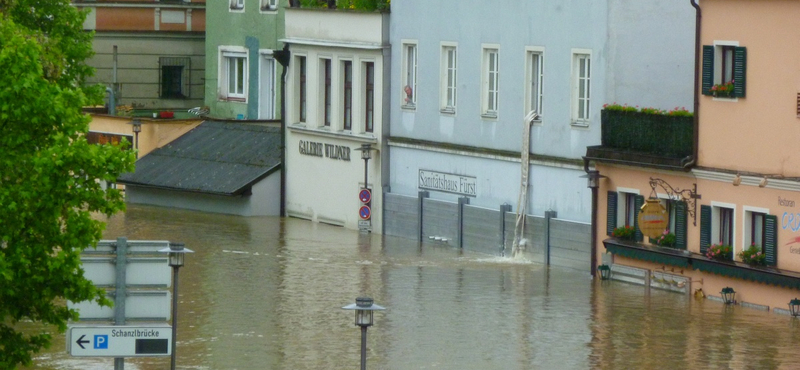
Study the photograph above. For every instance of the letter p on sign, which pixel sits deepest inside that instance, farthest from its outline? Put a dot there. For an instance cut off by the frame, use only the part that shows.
(101, 341)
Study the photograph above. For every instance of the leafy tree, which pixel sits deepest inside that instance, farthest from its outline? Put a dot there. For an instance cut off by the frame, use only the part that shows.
(49, 174)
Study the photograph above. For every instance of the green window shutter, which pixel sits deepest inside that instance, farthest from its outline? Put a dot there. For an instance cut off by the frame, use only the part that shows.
(611, 213)
(638, 203)
(705, 229)
(680, 224)
(708, 69)
(771, 239)
(739, 71)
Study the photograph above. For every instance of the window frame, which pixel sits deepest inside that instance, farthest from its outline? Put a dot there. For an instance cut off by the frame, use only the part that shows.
(369, 96)
(326, 82)
(269, 5)
(302, 87)
(749, 222)
(409, 71)
(236, 6)
(581, 102)
(185, 76)
(490, 81)
(533, 80)
(448, 75)
(347, 94)
(226, 55)
(723, 213)
(714, 71)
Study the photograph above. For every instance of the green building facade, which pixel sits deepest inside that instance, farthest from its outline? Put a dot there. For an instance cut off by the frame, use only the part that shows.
(242, 79)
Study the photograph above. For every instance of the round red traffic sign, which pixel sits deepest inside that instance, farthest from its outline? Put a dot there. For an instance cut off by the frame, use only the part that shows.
(364, 212)
(365, 195)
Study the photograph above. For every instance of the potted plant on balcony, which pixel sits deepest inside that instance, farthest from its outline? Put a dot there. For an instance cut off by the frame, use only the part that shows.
(720, 252)
(724, 90)
(624, 233)
(667, 239)
(753, 256)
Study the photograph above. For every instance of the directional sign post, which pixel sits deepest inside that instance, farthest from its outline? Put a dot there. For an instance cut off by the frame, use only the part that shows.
(120, 341)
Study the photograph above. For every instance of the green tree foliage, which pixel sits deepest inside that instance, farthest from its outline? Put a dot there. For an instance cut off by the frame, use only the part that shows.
(49, 174)
(349, 4)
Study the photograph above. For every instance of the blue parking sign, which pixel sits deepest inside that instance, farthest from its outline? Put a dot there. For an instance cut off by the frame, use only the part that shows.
(101, 342)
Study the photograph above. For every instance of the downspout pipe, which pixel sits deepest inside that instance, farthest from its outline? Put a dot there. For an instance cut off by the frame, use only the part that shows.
(696, 130)
(283, 57)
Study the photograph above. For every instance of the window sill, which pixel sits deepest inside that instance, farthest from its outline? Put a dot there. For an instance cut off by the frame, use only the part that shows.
(448, 110)
(725, 98)
(409, 106)
(489, 115)
(233, 99)
(580, 124)
(269, 9)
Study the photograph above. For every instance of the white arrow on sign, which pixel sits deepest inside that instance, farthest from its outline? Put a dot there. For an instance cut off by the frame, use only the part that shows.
(120, 341)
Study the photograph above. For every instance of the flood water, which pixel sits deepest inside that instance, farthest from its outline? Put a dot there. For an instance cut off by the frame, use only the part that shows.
(266, 293)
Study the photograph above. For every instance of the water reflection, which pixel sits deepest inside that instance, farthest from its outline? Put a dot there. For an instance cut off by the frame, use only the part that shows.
(265, 293)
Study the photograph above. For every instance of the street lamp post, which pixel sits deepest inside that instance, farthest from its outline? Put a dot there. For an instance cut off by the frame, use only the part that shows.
(176, 256)
(593, 177)
(364, 308)
(366, 154)
(137, 128)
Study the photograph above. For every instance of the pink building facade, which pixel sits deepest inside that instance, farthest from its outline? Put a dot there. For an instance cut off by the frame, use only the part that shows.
(730, 176)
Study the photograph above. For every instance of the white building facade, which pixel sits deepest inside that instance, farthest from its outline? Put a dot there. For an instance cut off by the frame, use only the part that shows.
(464, 77)
(335, 106)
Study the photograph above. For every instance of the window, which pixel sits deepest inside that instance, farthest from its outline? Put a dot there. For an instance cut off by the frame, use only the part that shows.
(237, 4)
(533, 81)
(725, 225)
(581, 87)
(326, 91)
(724, 66)
(174, 78)
(760, 230)
(449, 78)
(409, 80)
(233, 75)
(676, 221)
(266, 91)
(623, 210)
(490, 81)
(347, 95)
(269, 4)
(302, 87)
(369, 98)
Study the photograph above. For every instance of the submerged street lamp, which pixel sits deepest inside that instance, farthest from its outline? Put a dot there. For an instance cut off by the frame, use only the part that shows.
(176, 256)
(728, 295)
(364, 308)
(794, 307)
(605, 272)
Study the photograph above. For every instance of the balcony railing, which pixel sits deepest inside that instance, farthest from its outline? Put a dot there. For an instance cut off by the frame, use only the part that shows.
(655, 134)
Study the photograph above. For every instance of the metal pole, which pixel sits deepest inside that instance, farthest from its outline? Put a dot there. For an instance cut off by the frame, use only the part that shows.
(365, 173)
(174, 314)
(137, 145)
(363, 348)
(593, 267)
(120, 290)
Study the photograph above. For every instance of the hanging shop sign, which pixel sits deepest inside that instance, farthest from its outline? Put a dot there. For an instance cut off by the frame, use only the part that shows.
(317, 149)
(448, 183)
(652, 218)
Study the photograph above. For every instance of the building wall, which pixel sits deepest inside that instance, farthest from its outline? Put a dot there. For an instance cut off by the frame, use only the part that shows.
(145, 34)
(320, 186)
(155, 132)
(258, 32)
(629, 49)
(264, 201)
(755, 133)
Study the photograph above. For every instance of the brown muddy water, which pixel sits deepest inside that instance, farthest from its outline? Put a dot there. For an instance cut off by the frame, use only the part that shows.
(266, 293)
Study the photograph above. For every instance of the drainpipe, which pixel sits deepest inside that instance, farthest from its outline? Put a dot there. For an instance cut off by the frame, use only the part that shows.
(696, 131)
(283, 57)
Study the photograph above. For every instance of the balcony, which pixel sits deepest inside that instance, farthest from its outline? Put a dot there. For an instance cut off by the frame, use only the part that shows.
(636, 138)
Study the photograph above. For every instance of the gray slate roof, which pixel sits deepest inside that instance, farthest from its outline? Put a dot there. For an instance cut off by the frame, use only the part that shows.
(224, 158)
